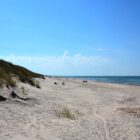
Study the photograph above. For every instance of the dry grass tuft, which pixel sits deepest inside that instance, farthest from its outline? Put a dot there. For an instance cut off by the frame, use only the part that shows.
(65, 112)
(135, 111)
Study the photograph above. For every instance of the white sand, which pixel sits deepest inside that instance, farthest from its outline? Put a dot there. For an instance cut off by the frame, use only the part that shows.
(95, 107)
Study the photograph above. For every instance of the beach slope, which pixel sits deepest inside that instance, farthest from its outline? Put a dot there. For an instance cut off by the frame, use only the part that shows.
(68, 109)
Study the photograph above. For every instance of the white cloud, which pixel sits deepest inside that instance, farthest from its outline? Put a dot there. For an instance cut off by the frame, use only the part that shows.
(65, 53)
(61, 65)
(100, 50)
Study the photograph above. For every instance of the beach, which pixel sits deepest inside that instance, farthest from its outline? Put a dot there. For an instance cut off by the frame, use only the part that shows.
(68, 109)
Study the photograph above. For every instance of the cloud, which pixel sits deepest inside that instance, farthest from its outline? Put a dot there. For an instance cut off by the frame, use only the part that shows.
(61, 65)
(65, 53)
(100, 50)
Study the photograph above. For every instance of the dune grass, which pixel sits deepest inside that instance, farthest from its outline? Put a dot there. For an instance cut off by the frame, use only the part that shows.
(65, 113)
(68, 113)
(135, 111)
(9, 70)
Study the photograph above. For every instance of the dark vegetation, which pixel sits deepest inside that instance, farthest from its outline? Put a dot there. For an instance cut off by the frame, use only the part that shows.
(55, 83)
(9, 71)
(85, 82)
(63, 83)
(2, 98)
(14, 95)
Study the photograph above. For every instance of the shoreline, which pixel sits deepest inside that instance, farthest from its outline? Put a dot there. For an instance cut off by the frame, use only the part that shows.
(125, 80)
(99, 82)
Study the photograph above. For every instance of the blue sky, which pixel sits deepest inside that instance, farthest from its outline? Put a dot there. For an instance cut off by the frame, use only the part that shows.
(72, 37)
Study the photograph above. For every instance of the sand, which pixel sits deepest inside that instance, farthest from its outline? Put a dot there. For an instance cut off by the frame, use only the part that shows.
(74, 111)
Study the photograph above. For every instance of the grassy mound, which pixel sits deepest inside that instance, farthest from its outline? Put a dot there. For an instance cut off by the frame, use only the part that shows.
(8, 71)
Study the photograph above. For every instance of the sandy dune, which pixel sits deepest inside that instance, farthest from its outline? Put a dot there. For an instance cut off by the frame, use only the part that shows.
(74, 111)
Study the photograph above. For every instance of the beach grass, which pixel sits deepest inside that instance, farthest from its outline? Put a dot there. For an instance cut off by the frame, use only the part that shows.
(65, 113)
(8, 71)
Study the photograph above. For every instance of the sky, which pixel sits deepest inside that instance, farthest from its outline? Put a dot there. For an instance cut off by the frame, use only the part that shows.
(72, 37)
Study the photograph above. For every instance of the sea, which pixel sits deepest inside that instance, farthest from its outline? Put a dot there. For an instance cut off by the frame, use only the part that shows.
(127, 80)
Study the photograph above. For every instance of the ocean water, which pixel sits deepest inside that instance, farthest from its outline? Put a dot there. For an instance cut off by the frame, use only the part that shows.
(128, 80)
